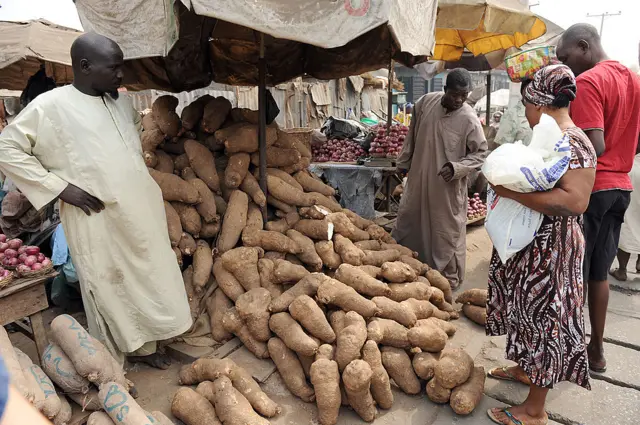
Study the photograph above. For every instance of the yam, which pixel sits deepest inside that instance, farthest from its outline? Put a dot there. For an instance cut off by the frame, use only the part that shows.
(188, 174)
(251, 187)
(467, 396)
(253, 308)
(226, 281)
(357, 383)
(164, 115)
(121, 407)
(293, 260)
(286, 177)
(388, 332)
(279, 205)
(309, 184)
(307, 254)
(245, 115)
(270, 241)
(330, 258)
(234, 222)
(403, 250)
(192, 113)
(194, 300)
(378, 233)
(290, 370)
(221, 204)
(174, 188)
(217, 304)
(266, 269)
(378, 258)
(424, 365)
(277, 157)
(99, 418)
(187, 244)
(325, 201)
(420, 308)
(205, 369)
(404, 291)
(64, 415)
(368, 245)
(232, 323)
(192, 408)
(174, 146)
(315, 212)
(274, 255)
(398, 365)
(164, 162)
(243, 137)
(306, 312)
(237, 169)
(242, 262)
(348, 251)
(336, 320)
(151, 138)
(235, 408)
(87, 402)
(189, 218)
(254, 219)
(202, 162)
(45, 398)
(428, 338)
(161, 418)
(214, 114)
(372, 271)
(362, 223)
(336, 293)
(351, 339)
(475, 314)
(60, 369)
(325, 378)
(173, 224)
(418, 266)
(476, 297)
(389, 309)
(286, 193)
(207, 206)
(285, 271)
(178, 254)
(202, 265)
(437, 280)
(360, 281)
(292, 334)
(380, 383)
(437, 393)
(320, 230)
(398, 272)
(453, 368)
(343, 226)
(150, 159)
(448, 328)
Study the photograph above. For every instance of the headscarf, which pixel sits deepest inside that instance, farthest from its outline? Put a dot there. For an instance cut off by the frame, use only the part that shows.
(548, 83)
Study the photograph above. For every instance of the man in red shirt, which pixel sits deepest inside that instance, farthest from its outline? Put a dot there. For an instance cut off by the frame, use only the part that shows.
(607, 108)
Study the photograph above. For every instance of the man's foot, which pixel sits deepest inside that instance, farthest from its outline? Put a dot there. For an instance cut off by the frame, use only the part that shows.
(157, 360)
(597, 362)
(513, 373)
(620, 274)
(516, 415)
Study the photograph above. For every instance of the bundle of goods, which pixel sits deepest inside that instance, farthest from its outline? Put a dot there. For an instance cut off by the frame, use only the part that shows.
(474, 305)
(330, 297)
(388, 145)
(337, 150)
(27, 261)
(476, 208)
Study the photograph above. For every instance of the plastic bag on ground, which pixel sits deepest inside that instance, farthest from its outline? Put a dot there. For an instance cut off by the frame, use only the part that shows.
(537, 167)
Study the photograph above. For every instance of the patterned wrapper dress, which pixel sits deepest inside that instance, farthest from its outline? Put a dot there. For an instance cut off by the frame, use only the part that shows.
(536, 297)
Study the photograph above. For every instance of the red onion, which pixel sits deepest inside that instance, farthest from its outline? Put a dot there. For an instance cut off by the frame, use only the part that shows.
(32, 250)
(41, 257)
(11, 253)
(12, 261)
(36, 266)
(45, 262)
(23, 269)
(30, 260)
(3, 238)
(4, 246)
(15, 243)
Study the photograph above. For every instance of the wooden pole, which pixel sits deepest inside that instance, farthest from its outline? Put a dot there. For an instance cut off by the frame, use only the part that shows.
(390, 98)
(488, 112)
(262, 121)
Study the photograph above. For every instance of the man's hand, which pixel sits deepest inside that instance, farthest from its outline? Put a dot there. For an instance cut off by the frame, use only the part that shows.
(77, 197)
(502, 191)
(446, 172)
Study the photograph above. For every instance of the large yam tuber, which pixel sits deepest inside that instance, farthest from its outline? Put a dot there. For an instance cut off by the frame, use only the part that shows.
(290, 369)
(475, 314)
(330, 258)
(243, 137)
(173, 224)
(192, 297)
(221, 204)
(307, 254)
(388, 332)
(424, 365)
(207, 207)
(325, 201)
(404, 291)
(372, 271)
(308, 285)
(336, 320)
(251, 187)
(150, 159)
(403, 250)
(362, 223)
(476, 297)
(344, 226)
(267, 279)
(349, 253)
(420, 308)
(205, 369)
(320, 230)
(233, 323)
(360, 281)
(453, 368)
(279, 205)
(357, 383)
(428, 338)
(253, 308)
(398, 365)
(237, 169)
(270, 241)
(306, 312)
(336, 293)
(325, 378)
(466, 397)
(448, 328)
(217, 304)
(88, 402)
(60, 369)
(378, 258)
(193, 409)
(380, 383)
(351, 339)
(389, 309)
(316, 212)
(254, 218)
(189, 218)
(203, 164)
(214, 114)
(286, 193)
(234, 408)
(46, 399)
(192, 113)
(284, 224)
(152, 136)
(226, 281)
(378, 233)
(437, 393)
(398, 272)
(99, 418)
(286, 177)
(242, 262)
(235, 219)
(368, 245)
(121, 407)
(278, 157)
(312, 185)
(174, 188)
(164, 115)
(292, 334)
(202, 265)
(437, 280)
(164, 162)
(418, 266)
(245, 115)
(64, 415)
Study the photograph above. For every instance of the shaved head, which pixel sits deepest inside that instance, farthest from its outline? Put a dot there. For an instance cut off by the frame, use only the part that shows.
(97, 63)
(580, 48)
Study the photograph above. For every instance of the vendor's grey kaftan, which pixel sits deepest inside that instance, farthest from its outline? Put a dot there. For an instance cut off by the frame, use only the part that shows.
(433, 213)
(132, 288)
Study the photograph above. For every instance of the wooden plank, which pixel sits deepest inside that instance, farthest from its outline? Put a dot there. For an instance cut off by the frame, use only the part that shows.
(22, 304)
(39, 334)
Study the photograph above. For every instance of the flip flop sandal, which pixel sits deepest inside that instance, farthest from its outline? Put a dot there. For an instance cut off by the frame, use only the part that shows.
(509, 377)
(512, 419)
(596, 369)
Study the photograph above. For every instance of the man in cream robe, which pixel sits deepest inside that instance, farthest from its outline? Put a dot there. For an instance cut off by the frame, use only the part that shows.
(444, 145)
(83, 139)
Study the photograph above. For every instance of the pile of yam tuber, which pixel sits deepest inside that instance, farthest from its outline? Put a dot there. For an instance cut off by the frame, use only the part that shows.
(343, 310)
(474, 305)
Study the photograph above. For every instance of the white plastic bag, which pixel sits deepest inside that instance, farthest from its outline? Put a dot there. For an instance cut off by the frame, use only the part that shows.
(537, 167)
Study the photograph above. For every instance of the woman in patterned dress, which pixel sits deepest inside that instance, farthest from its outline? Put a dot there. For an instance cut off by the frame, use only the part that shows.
(535, 298)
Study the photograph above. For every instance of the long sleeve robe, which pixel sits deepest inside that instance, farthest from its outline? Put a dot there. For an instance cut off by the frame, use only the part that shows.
(132, 288)
(433, 213)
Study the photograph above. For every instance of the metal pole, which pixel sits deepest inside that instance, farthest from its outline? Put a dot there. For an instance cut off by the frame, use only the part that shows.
(390, 98)
(262, 120)
(602, 16)
(488, 112)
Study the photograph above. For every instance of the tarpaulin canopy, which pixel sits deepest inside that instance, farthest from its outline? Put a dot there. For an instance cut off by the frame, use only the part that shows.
(196, 41)
(25, 46)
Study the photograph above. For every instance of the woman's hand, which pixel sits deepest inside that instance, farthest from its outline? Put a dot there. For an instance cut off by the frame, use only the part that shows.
(502, 191)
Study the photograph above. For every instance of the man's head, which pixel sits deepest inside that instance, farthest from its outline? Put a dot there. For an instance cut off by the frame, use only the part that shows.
(97, 64)
(497, 116)
(456, 89)
(579, 48)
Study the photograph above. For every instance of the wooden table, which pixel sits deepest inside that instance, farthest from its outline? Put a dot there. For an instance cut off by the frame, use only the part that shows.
(27, 298)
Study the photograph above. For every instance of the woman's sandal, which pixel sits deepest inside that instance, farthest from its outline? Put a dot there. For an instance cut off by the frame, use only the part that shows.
(512, 419)
(509, 376)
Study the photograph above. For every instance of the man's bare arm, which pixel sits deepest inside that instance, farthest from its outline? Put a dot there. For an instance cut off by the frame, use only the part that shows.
(597, 140)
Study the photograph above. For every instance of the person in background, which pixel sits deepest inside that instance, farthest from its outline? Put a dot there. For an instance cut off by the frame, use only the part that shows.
(492, 131)
(607, 108)
(444, 145)
(536, 297)
(81, 143)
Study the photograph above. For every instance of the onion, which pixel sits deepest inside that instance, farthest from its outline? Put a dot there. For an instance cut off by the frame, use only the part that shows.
(4, 246)
(3, 238)
(30, 260)
(41, 257)
(22, 257)
(36, 266)
(12, 262)
(23, 269)
(15, 243)
(11, 253)
(32, 250)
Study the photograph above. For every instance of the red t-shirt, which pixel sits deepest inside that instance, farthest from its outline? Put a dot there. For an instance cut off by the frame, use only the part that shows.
(608, 98)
